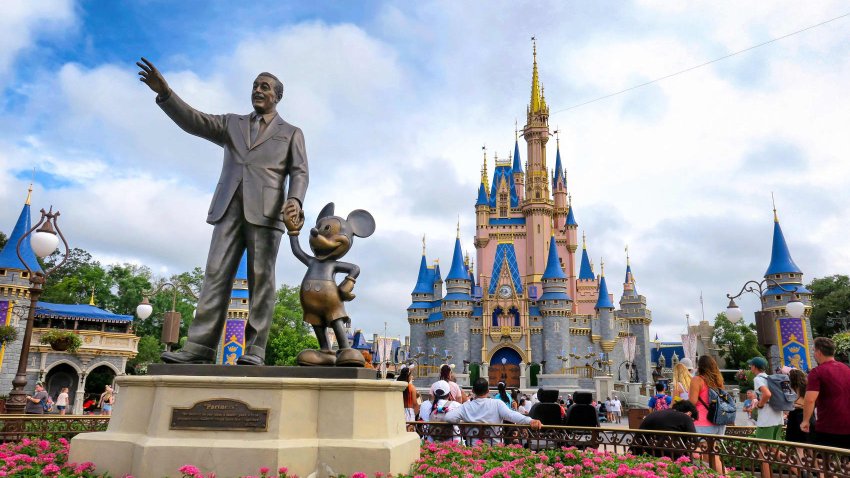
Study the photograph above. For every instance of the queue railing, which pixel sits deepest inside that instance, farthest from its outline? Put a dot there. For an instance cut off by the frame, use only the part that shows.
(785, 459)
(49, 427)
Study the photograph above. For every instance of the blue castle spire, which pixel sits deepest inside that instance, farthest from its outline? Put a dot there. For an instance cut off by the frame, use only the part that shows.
(458, 270)
(517, 167)
(553, 263)
(559, 169)
(571, 219)
(242, 271)
(585, 272)
(424, 282)
(780, 257)
(482, 196)
(603, 302)
(9, 255)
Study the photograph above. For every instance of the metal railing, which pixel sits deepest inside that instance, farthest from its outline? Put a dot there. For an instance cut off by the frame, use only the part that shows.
(784, 459)
(49, 427)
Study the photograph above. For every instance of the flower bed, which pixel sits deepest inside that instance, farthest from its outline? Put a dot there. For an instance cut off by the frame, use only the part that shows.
(32, 458)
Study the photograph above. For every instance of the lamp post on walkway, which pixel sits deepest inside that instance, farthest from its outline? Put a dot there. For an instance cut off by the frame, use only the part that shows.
(765, 323)
(44, 239)
(171, 319)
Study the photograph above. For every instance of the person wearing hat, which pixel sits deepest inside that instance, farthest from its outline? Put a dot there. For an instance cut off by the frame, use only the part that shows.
(770, 420)
(435, 410)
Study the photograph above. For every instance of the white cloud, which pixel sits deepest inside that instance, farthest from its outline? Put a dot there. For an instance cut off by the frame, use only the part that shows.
(23, 22)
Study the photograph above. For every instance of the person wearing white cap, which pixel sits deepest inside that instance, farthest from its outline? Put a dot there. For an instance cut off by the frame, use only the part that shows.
(435, 410)
(483, 409)
(688, 364)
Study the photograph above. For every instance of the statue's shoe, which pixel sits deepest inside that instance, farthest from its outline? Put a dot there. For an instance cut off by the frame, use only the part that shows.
(316, 358)
(249, 359)
(349, 358)
(182, 356)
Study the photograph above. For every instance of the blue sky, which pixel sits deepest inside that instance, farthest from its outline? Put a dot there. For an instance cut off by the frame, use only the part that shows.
(396, 99)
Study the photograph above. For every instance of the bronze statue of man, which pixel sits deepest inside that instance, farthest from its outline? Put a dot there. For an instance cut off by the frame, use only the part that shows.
(248, 208)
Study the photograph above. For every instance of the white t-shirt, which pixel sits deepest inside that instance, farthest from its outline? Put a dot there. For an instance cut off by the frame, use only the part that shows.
(768, 416)
(615, 405)
(62, 400)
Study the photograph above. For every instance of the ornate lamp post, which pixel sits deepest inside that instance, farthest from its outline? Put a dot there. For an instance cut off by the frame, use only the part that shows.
(765, 325)
(172, 319)
(446, 357)
(44, 238)
(564, 357)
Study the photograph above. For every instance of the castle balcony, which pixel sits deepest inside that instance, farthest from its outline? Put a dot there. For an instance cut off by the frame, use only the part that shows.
(120, 344)
(512, 332)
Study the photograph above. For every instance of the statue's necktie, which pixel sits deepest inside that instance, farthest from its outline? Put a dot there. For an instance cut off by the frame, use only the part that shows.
(257, 128)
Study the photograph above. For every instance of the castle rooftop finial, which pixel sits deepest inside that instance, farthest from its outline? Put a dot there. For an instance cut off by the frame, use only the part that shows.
(773, 200)
(602, 267)
(423, 244)
(627, 255)
(536, 104)
(458, 226)
(29, 195)
(484, 180)
(91, 300)
(583, 240)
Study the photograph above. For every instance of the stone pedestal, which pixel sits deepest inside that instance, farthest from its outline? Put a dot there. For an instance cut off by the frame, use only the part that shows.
(316, 427)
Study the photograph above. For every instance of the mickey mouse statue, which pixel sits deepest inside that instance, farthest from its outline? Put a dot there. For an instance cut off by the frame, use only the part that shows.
(321, 297)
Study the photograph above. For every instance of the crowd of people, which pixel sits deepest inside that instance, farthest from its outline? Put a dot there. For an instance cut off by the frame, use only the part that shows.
(40, 402)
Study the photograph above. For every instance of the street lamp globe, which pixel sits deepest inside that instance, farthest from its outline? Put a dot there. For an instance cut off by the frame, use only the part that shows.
(733, 312)
(144, 310)
(44, 242)
(795, 308)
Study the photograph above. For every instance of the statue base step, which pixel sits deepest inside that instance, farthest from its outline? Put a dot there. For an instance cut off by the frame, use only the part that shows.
(234, 425)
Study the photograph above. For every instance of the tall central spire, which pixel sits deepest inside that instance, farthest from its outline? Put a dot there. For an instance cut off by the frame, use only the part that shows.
(535, 104)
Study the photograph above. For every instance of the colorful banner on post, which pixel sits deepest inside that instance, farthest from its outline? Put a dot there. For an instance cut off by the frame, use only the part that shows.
(234, 341)
(5, 317)
(793, 343)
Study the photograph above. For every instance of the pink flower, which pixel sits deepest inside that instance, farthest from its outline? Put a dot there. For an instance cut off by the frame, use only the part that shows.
(359, 475)
(190, 471)
(264, 470)
(50, 469)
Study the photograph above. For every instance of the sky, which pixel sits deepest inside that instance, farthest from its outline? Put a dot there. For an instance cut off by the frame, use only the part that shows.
(396, 99)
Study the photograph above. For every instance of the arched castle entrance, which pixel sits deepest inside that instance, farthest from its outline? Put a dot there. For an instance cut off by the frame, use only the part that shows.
(504, 367)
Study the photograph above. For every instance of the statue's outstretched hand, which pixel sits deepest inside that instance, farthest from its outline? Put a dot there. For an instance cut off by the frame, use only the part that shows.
(293, 216)
(152, 77)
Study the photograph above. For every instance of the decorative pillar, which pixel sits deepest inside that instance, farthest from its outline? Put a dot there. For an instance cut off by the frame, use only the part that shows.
(79, 395)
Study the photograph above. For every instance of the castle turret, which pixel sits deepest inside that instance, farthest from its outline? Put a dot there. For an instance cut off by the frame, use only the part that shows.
(586, 286)
(482, 205)
(457, 306)
(795, 335)
(635, 318)
(232, 344)
(555, 306)
(559, 191)
(537, 206)
(519, 176)
(422, 302)
(605, 314)
(14, 288)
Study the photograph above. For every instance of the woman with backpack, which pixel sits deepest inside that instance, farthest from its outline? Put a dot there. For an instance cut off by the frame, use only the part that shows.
(435, 411)
(708, 377)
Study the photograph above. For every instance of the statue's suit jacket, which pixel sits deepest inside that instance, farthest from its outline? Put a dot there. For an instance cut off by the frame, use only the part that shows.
(262, 168)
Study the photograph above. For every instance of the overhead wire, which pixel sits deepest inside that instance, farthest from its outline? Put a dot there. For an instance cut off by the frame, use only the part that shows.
(702, 64)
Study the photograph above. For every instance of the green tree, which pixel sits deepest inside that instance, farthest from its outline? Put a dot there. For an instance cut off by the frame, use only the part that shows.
(289, 334)
(830, 297)
(737, 342)
(149, 350)
(3, 240)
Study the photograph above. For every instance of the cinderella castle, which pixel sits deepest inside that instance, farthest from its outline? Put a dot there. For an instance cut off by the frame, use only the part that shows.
(523, 316)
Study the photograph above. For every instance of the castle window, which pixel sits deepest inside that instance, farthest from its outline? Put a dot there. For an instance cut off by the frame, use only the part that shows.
(2, 272)
(457, 327)
(25, 275)
(778, 297)
(792, 275)
(538, 229)
(244, 301)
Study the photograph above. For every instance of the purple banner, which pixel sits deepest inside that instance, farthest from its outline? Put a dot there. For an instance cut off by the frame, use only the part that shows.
(234, 341)
(794, 343)
(4, 312)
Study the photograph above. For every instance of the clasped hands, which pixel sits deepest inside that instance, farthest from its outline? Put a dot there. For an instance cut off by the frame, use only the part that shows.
(293, 216)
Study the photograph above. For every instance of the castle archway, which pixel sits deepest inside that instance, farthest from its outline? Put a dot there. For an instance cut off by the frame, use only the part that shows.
(504, 367)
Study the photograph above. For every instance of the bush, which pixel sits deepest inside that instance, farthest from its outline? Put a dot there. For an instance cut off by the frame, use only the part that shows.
(8, 334)
(62, 340)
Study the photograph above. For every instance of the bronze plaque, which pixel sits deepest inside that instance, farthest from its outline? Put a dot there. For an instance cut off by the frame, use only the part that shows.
(221, 414)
